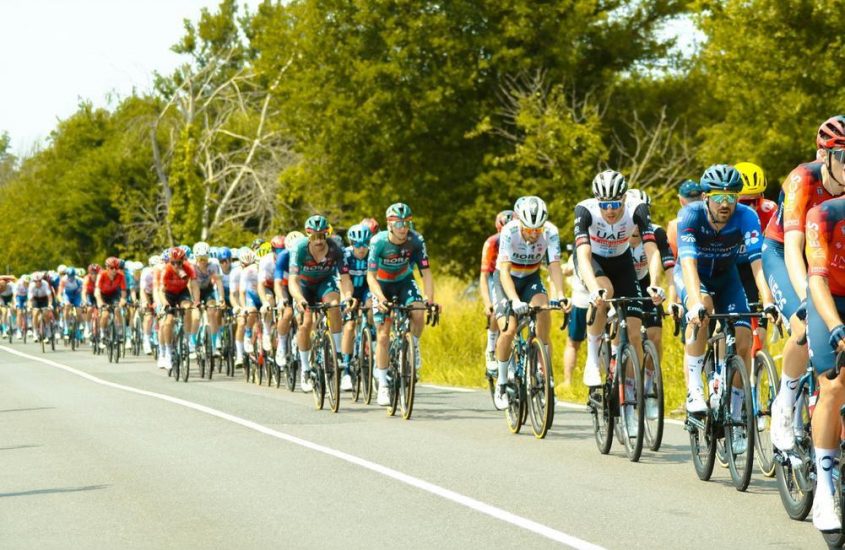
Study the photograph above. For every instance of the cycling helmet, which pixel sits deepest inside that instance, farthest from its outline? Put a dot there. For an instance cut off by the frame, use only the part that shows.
(831, 133)
(609, 185)
(292, 239)
(177, 253)
(25, 279)
(721, 177)
(94, 269)
(112, 262)
(753, 178)
(62, 269)
(224, 253)
(187, 250)
(278, 242)
(531, 211)
(153, 261)
(359, 235)
(502, 218)
(258, 241)
(37, 277)
(201, 249)
(70, 272)
(689, 189)
(399, 211)
(263, 250)
(316, 224)
(372, 224)
(247, 257)
(639, 195)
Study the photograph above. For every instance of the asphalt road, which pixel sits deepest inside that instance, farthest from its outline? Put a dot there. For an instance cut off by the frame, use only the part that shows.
(102, 456)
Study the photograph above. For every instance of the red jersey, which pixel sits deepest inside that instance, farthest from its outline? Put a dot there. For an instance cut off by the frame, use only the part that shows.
(89, 282)
(672, 237)
(109, 286)
(174, 279)
(489, 253)
(825, 248)
(801, 191)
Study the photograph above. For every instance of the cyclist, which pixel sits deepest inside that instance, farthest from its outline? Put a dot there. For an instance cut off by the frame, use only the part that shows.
(89, 284)
(524, 243)
(267, 255)
(7, 299)
(70, 294)
(111, 290)
(237, 299)
(210, 284)
(224, 260)
(826, 338)
(784, 262)
(40, 298)
(393, 253)
(21, 295)
(355, 258)
(489, 253)
(177, 288)
(603, 260)
(711, 235)
(577, 329)
(147, 302)
(314, 264)
(280, 289)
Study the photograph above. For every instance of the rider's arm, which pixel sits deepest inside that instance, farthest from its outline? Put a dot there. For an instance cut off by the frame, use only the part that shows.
(793, 250)
(585, 267)
(294, 289)
(687, 254)
(760, 280)
(556, 275)
(484, 277)
(428, 284)
(823, 301)
(217, 280)
(346, 286)
(507, 281)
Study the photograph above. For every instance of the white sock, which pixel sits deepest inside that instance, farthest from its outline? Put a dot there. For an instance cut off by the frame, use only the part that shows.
(417, 342)
(282, 342)
(503, 372)
(593, 343)
(167, 350)
(336, 336)
(492, 336)
(737, 397)
(694, 366)
(265, 324)
(789, 388)
(305, 359)
(381, 375)
(825, 461)
(239, 347)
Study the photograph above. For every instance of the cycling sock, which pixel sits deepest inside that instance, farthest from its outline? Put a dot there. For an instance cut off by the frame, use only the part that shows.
(193, 340)
(282, 342)
(305, 359)
(825, 461)
(336, 336)
(503, 372)
(381, 375)
(215, 337)
(266, 324)
(167, 350)
(737, 397)
(694, 366)
(593, 342)
(492, 336)
(789, 388)
(248, 333)
(239, 348)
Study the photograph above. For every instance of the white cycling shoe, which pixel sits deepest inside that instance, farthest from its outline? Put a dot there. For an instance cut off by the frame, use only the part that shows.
(383, 396)
(825, 518)
(592, 375)
(695, 402)
(346, 383)
(782, 429)
(501, 398)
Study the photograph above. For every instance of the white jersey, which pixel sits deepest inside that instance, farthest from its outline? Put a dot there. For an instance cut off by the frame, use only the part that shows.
(249, 279)
(9, 290)
(525, 258)
(21, 289)
(41, 290)
(266, 269)
(147, 278)
(580, 294)
(225, 277)
(640, 261)
(235, 279)
(204, 277)
(610, 240)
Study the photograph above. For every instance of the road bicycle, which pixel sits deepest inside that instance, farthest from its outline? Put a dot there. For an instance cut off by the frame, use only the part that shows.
(362, 358)
(179, 356)
(324, 372)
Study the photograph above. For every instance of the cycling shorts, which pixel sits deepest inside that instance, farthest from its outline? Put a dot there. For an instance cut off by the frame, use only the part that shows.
(315, 293)
(40, 302)
(578, 324)
(818, 336)
(207, 294)
(174, 300)
(774, 267)
(726, 291)
(620, 270)
(6, 300)
(362, 294)
(526, 288)
(111, 299)
(73, 298)
(20, 302)
(405, 291)
(91, 300)
(651, 318)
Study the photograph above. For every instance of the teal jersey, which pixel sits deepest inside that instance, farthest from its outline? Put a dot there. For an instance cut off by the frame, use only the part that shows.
(394, 262)
(309, 270)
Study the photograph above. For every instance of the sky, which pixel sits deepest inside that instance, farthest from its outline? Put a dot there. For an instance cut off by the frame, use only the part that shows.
(54, 53)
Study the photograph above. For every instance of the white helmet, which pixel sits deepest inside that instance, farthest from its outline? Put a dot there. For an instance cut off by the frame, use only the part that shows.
(154, 260)
(639, 195)
(531, 211)
(292, 238)
(201, 249)
(609, 184)
(61, 269)
(247, 257)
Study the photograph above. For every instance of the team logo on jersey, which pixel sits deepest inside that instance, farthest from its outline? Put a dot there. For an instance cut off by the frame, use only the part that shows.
(688, 238)
(752, 237)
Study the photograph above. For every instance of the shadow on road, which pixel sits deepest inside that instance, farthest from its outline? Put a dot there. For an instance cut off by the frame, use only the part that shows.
(24, 410)
(53, 490)
(19, 447)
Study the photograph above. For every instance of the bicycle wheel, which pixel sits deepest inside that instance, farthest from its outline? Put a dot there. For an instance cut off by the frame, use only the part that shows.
(41, 335)
(365, 363)
(631, 402)
(185, 369)
(653, 391)
(599, 402)
(110, 337)
(291, 371)
(247, 368)
(538, 380)
(318, 379)
(793, 469)
(332, 372)
(137, 334)
(740, 423)
(393, 385)
(116, 342)
(764, 389)
(202, 360)
(53, 326)
(209, 355)
(176, 353)
(407, 376)
(702, 437)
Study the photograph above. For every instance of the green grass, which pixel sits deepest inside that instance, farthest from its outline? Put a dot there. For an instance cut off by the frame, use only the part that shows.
(454, 350)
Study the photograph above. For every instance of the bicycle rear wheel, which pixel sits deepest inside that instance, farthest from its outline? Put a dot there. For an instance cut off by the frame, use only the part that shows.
(740, 453)
(600, 406)
(516, 405)
(793, 469)
(393, 385)
(318, 382)
(209, 355)
(407, 378)
(202, 358)
(653, 391)
(702, 438)
(110, 338)
(764, 389)
(332, 372)
(185, 369)
(365, 363)
(540, 391)
(631, 402)
(837, 539)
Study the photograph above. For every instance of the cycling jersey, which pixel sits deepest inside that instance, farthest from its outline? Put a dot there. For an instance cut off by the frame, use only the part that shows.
(489, 253)
(235, 279)
(249, 279)
(174, 280)
(309, 270)
(393, 262)
(206, 278)
(224, 275)
(8, 289)
(716, 252)
(611, 239)
(40, 290)
(267, 269)
(21, 289)
(130, 280)
(280, 272)
(356, 267)
(825, 242)
(109, 286)
(666, 255)
(147, 276)
(72, 285)
(525, 258)
(801, 191)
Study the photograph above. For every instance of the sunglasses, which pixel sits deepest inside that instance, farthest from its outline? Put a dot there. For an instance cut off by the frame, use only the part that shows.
(360, 245)
(729, 198)
(175, 262)
(532, 231)
(838, 154)
(610, 205)
(399, 224)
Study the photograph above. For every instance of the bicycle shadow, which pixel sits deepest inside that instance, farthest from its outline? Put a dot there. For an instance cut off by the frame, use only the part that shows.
(53, 490)
(27, 409)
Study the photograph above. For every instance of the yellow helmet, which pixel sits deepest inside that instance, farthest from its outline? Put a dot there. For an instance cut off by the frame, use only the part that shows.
(753, 178)
(263, 250)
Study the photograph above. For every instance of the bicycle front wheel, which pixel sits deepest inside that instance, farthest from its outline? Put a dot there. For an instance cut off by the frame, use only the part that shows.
(741, 426)
(540, 391)
(793, 469)
(764, 389)
(332, 373)
(702, 436)
(632, 403)
(407, 376)
(318, 378)
(600, 406)
(365, 363)
(185, 368)
(515, 413)
(837, 539)
(653, 391)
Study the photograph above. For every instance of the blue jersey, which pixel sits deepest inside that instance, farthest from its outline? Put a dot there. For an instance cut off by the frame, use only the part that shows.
(357, 268)
(280, 273)
(718, 251)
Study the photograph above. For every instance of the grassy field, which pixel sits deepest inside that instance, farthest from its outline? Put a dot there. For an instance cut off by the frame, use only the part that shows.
(453, 352)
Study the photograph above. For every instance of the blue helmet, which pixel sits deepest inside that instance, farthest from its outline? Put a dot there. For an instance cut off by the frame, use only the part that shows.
(689, 189)
(70, 272)
(359, 235)
(187, 249)
(721, 177)
(165, 256)
(224, 253)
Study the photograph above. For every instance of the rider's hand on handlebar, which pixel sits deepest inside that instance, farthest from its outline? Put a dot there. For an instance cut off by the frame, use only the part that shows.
(383, 305)
(657, 294)
(351, 304)
(676, 310)
(265, 308)
(695, 314)
(837, 338)
(772, 312)
(597, 297)
(519, 307)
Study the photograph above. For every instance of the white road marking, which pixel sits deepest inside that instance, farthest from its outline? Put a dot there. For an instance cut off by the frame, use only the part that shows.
(448, 388)
(426, 486)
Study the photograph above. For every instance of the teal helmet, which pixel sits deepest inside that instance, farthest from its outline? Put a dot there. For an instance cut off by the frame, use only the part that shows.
(316, 224)
(399, 211)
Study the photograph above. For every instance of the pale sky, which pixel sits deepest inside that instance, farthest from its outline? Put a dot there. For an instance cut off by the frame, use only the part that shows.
(55, 52)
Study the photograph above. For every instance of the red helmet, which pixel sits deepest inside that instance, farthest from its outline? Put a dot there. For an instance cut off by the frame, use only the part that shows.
(278, 241)
(832, 133)
(502, 218)
(112, 262)
(177, 254)
(371, 223)
(93, 269)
